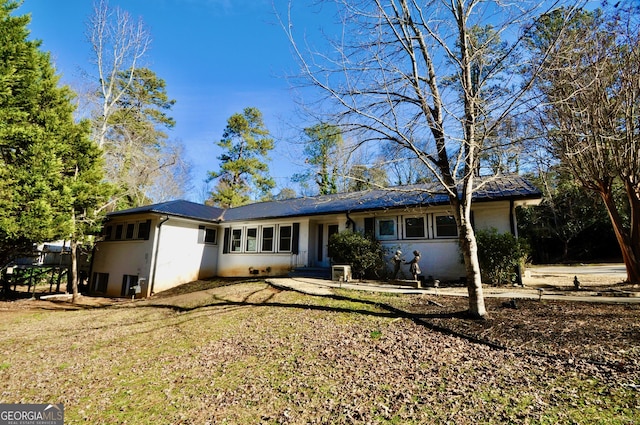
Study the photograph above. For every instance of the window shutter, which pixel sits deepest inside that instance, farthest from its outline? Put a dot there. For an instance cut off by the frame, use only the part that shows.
(225, 248)
(201, 234)
(369, 227)
(294, 238)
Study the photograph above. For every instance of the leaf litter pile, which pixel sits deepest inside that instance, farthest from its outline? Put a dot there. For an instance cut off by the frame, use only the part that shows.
(248, 353)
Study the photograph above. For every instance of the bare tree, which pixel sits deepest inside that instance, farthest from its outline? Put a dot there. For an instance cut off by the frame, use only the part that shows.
(416, 74)
(591, 101)
(131, 112)
(118, 42)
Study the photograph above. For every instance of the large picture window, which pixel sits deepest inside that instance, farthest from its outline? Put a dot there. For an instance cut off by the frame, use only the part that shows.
(446, 226)
(285, 238)
(414, 227)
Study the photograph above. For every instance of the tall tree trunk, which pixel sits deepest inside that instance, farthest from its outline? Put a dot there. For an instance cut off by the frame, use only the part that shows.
(469, 248)
(74, 269)
(630, 253)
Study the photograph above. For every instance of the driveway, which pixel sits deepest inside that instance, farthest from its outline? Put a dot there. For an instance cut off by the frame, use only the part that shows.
(588, 269)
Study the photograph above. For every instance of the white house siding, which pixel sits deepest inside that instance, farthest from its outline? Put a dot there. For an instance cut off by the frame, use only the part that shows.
(440, 255)
(248, 262)
(182, 255)
(118, 258)
(492, 215)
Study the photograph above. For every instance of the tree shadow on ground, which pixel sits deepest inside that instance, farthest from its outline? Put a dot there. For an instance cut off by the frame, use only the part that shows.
(378, 309)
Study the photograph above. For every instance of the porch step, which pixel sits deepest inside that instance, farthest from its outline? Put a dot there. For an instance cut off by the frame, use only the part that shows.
(313, 272)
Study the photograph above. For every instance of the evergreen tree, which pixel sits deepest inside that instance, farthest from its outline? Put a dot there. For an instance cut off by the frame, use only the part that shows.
(33, 124)
(243, 172)
(322, 147)
(50, 171)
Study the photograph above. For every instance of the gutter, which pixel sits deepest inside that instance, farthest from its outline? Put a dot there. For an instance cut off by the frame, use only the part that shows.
(155, 255)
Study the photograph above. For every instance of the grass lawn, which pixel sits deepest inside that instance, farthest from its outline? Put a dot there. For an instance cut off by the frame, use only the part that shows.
(248, 353)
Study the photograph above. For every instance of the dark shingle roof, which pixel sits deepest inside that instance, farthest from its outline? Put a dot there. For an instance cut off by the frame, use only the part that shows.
(179, 208)
(505, 187)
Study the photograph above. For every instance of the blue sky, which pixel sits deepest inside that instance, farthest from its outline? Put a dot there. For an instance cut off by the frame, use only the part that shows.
(216, 56)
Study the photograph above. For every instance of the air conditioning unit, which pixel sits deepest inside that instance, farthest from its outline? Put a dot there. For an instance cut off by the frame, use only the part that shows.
(341, 273)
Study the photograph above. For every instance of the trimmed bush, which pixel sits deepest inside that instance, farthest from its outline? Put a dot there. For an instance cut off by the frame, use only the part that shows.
(499, 255)
(364, 255)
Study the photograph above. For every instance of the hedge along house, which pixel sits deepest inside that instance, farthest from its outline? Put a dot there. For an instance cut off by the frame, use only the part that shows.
(161, 246)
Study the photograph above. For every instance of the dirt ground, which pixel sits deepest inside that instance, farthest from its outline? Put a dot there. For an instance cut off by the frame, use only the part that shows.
(558, 282)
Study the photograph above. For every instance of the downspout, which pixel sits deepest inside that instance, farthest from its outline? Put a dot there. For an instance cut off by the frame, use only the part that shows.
(155, 255)
(512, 218)
(350, 223)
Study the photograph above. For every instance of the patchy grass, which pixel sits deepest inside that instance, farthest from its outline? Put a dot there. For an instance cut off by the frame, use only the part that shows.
(248, 353)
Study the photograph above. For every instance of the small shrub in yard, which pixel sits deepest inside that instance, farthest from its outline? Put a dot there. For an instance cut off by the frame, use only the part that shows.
(499, 255)
(364, 255)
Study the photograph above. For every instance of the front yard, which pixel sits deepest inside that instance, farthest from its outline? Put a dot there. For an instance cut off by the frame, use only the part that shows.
(249, 353)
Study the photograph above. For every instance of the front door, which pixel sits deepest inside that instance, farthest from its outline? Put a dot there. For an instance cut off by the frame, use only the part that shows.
(324, 232)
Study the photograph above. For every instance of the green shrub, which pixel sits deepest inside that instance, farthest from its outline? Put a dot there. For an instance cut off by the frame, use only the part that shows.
(499, 255)
(364, 255)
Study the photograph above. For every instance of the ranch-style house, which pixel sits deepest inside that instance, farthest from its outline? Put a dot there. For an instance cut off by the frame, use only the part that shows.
(153, 248)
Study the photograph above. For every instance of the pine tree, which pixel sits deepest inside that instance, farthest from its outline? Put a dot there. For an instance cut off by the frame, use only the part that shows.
(243, 171)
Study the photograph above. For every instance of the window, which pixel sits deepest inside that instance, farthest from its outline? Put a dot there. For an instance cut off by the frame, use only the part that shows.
(129, 283)
(118, 232)
(267, 239)
(285, 238)
(252, 240)
(143, 229)
(210, 236)
(100, 281)
(386, 228)
(446, 226)
(414, 227)
(236, 240)
(130, 229)
(107, 233)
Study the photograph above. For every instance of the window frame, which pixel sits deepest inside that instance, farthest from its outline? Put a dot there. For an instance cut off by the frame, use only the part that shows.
(143, 232)
(264, 239)
(130, 231)
(235, 244)
(282, 238)
(407, 227)
(210, 236)
(118, 232)
(394, 223)
(437, 226)
(251, 238)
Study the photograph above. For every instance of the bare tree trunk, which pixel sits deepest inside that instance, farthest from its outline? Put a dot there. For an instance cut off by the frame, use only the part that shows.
(469, 248)
(74, 269)
(627, 248)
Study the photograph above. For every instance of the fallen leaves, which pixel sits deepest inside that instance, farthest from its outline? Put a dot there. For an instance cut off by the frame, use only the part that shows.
(251, 354)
